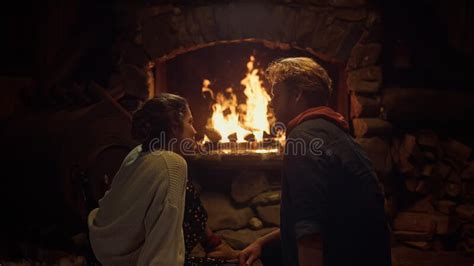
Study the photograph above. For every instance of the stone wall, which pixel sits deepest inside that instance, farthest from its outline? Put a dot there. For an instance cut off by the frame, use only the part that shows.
(429, 188)
(242, 204)
(334, 30)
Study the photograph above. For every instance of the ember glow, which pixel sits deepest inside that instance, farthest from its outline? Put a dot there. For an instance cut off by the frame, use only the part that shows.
(240, 120)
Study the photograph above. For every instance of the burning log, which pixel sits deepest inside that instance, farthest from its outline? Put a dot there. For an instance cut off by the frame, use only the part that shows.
(213, 135)
(265, 146)
(236, 121)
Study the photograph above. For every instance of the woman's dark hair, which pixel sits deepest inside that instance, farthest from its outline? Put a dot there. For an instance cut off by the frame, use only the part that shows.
(159, 120)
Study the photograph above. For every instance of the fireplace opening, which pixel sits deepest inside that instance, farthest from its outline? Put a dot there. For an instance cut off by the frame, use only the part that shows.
(229, 95)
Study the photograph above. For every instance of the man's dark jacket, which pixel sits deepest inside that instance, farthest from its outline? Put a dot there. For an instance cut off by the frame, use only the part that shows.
(329, 187)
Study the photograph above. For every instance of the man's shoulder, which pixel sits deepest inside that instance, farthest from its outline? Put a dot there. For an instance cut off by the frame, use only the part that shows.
(318, 127)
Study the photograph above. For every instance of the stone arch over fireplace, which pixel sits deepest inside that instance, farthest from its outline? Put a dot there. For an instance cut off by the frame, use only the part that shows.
(342, 32)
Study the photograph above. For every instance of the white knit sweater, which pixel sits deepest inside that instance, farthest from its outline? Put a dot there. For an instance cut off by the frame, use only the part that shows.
(139, 220)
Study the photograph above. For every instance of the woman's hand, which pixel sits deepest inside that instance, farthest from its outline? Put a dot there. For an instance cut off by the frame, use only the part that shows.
(223, 251)
(250, 253)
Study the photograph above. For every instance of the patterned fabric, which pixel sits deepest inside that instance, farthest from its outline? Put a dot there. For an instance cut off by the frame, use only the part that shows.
(194, 228)
(195, 219)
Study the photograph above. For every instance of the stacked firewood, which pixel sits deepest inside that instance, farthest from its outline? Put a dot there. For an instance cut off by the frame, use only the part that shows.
(436, 192)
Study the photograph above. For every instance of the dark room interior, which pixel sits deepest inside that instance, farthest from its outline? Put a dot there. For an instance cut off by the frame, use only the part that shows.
(75, 74)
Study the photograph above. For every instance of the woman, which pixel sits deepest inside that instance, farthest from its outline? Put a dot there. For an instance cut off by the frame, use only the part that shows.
(139, 220)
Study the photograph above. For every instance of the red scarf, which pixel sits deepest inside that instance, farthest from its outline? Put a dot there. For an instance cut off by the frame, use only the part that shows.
(319, 112)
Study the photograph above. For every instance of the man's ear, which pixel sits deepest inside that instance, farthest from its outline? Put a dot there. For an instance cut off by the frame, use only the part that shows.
(299, 94)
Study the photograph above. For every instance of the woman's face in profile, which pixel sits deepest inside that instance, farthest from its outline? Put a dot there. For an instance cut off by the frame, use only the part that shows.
(188, 128)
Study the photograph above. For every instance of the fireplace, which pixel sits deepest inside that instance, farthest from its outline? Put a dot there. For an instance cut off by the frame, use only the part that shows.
(214, 55)
(238, 162)
(229, 96)
(423, 154)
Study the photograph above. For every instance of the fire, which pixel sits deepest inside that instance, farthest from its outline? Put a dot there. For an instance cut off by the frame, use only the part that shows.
(257, 102)
(229, 117)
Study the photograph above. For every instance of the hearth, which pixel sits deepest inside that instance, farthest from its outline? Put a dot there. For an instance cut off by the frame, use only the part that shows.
(214, 54)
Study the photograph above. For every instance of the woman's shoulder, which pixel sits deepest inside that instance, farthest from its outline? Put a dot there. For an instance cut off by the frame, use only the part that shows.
(170, 158)
(166, 160)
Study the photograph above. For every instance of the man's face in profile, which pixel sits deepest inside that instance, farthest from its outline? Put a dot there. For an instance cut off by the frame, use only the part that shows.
(281, 102)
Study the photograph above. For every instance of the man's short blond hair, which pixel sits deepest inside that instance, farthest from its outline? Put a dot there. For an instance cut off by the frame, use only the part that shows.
(300, 73)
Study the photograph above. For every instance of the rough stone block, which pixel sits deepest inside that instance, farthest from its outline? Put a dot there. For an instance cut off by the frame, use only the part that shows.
(427, 139)
(368, 127)
(133, 54)
(468, 172)
(466, 212)
(192, 27)
(424, 205)
(412, 236)
(269, 214)
(453, 189)
(456, 150)
(308, 21)
(242, 238)
(267, 198)
(347, 3)
(378, 151)
(369, 73)
(350, 14)
(222, 214)
(248, 185)
(255, 223)
(204, 16)
(419, 244)
(134, 80)
(445, 225)
(159, 37)
(445, 206)
(364, 86)
(414, 222)
(365, 106)
(363, 55)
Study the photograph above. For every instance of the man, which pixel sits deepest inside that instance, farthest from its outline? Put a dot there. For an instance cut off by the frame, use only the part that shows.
(332, 207)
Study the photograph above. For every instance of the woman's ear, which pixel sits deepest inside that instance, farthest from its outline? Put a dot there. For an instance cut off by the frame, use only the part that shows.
(177, 131)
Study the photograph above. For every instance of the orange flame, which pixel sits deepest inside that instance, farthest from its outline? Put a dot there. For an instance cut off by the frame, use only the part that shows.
(229, 117)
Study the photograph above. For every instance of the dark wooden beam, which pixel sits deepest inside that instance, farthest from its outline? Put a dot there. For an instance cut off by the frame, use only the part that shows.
(160, 78)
